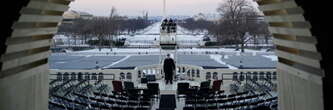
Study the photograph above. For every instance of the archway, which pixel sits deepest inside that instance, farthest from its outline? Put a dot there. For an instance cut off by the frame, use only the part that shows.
(300, 67)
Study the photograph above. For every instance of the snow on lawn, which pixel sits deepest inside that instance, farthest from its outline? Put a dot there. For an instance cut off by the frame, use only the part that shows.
(187, 50)
(127, 50)
(150, 36)
(272, 57)
(154, 29)
(226, 50)
(109, 66)
(218, 58)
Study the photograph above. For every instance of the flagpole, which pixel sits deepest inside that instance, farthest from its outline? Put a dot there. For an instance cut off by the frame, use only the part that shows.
(164, 8)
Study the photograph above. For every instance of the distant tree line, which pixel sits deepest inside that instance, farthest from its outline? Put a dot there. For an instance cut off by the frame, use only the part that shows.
(237, 19)
(101, 31)
(196, 25)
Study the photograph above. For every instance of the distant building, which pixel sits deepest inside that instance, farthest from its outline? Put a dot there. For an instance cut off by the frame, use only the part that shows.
(85, 15)
(208, 17)
(70, 16)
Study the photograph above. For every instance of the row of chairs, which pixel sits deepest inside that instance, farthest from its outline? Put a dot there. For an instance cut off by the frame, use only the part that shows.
(67, 87)
(240, 76)
(98, 101)
(62, 93)
(238, 101)
(152, 90)
(97, 97)
(262, 81)
(213, 98)
(79, 76)
(184, 89)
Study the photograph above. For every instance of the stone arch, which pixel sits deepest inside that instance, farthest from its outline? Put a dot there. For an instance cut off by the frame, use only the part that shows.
(139, 74)
(94, 76)
(59, 76)
(198, 73)
(73, 76)
(129, 76)
(193, 72)
(208, 75)
(188, 74)
(122, 76)
(66, 76)
(215, 76)
(100, 76)
(87, 76)
(80, 76)
(297, 47)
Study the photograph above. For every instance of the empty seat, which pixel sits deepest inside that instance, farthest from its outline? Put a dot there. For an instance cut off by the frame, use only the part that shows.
(204, 90)
(80, 76)
(255, 76)
(139, 74)
(73, 76)
(87, 76)
(66, 76)
(94, 76)
(129, 76)
(59, 76)
(131, 91)
(248, 76)
(193, 73)
(144, 80)
(217, 85)
(235, 76)
(262, 75)
(188, 73)
(182, 88)
(122, 76)
(129, 85)
(198, 73)
(117, 86)
(215, 76)
(100, 76)
(269, 76)
(153, 89)
(208, 76)
(274, 76)
(241, 76)
(151, 78)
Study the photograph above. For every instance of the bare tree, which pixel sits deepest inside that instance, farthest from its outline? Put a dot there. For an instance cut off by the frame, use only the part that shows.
(101, 28)
(233, 9)
(235, 16)
(113, 12)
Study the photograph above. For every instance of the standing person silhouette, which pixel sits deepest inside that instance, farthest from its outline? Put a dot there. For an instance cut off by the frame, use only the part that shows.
(169, 24)
(164, 24)
(168, 68)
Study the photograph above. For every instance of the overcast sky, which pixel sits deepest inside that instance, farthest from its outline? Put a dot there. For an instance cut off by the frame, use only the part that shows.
(154, 7)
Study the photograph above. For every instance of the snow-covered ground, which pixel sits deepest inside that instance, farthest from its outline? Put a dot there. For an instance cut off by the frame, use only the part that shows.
(210, 50)
(218, 58)
(272, 57)
(157, 51)
(150, 36)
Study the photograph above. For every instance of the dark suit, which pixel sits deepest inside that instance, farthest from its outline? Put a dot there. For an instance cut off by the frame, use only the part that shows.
(169, 67)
